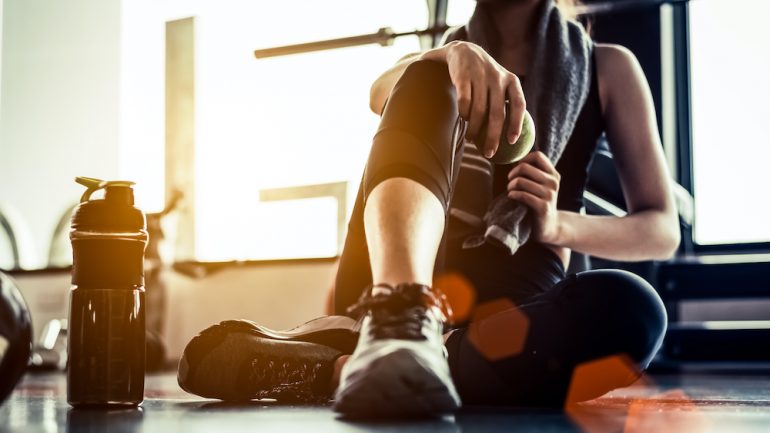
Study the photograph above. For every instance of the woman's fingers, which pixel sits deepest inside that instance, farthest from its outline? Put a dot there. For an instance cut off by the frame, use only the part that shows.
(483, 86)
(478, 109)
(539, 160)
(516, 107)
(524, 169)
(464, 94)
(532, 187)
(495, 121)
(537, 204)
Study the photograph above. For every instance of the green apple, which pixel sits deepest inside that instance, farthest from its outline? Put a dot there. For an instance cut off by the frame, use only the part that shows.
(509, 153)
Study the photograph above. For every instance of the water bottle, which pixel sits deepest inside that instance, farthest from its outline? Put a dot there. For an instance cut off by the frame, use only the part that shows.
(106, 338)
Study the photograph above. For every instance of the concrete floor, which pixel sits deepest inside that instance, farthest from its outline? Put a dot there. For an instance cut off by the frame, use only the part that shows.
(681, 404)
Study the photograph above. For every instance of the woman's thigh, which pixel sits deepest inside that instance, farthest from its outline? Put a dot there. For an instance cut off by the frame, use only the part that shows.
(586, 317)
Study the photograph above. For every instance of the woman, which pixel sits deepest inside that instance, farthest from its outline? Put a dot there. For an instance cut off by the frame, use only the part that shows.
(408, 225)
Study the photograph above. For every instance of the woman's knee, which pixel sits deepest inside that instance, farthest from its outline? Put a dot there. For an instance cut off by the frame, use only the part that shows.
(424, 94)
(427, 73)
(634, 313)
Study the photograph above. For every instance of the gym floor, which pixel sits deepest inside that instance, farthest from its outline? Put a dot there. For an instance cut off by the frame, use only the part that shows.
(674, 403)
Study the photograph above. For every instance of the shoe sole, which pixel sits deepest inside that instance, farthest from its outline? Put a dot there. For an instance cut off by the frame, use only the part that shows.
(396, 385)
(221, 352)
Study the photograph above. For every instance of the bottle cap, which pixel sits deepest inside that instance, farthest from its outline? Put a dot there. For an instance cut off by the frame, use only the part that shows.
(108, 237)
(114, 213)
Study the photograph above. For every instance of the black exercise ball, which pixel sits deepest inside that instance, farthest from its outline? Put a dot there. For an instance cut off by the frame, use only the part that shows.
(15, 336)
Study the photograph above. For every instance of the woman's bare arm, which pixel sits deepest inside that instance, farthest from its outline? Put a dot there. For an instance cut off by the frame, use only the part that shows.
(650, 230)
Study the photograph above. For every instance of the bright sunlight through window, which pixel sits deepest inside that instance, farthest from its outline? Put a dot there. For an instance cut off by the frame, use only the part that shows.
(730, 66)
(260, 124)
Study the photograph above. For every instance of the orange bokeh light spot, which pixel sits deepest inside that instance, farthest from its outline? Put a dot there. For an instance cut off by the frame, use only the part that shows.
(651, 413)
(498, 329)
(460, 295)
(595, 378)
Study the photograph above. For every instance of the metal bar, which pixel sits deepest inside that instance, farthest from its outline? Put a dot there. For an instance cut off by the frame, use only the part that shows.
(385, 36)
(603, 204)
(683, 110)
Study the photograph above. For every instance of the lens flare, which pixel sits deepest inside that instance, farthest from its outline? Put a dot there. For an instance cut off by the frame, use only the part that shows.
(595, 378)
(498, 329)
(459, 292)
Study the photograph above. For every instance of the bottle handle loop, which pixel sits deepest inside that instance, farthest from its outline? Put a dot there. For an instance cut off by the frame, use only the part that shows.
(93, 185)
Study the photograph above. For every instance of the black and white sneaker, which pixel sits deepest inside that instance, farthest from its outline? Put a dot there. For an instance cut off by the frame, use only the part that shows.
(238, 360)
(399, 367)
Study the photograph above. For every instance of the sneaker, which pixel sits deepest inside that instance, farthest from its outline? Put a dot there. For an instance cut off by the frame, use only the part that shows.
(399, 367)
(238, 360)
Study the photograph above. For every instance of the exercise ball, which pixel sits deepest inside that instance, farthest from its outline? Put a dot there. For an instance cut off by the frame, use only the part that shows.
(15, 336)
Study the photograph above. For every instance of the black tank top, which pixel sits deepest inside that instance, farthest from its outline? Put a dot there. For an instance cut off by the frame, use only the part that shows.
(576, 159)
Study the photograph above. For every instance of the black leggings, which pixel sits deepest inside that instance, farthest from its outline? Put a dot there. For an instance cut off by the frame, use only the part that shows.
(569, 321)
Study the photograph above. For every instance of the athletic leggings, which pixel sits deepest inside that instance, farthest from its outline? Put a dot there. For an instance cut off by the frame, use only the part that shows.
(577, 331)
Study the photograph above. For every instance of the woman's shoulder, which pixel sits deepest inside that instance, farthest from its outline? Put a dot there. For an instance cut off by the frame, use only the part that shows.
(613, 58)
(616, 66)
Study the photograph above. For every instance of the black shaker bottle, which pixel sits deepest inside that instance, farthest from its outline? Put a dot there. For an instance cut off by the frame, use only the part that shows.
(106, 335)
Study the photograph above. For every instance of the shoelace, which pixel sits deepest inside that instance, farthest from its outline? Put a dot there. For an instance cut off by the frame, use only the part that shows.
(402, 311)
(286, 379)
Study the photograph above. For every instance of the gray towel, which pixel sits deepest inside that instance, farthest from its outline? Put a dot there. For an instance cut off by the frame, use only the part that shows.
(555, 89)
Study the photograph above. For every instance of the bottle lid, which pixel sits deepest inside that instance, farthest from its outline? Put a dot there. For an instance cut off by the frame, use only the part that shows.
(111, 260)
(114, 213)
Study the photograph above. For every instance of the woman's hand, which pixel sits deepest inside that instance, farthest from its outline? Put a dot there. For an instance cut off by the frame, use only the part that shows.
(534, 182)
(483, 87)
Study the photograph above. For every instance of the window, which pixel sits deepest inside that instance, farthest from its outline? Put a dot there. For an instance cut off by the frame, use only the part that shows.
(459, 11)
(729, 64)
(261, 125)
